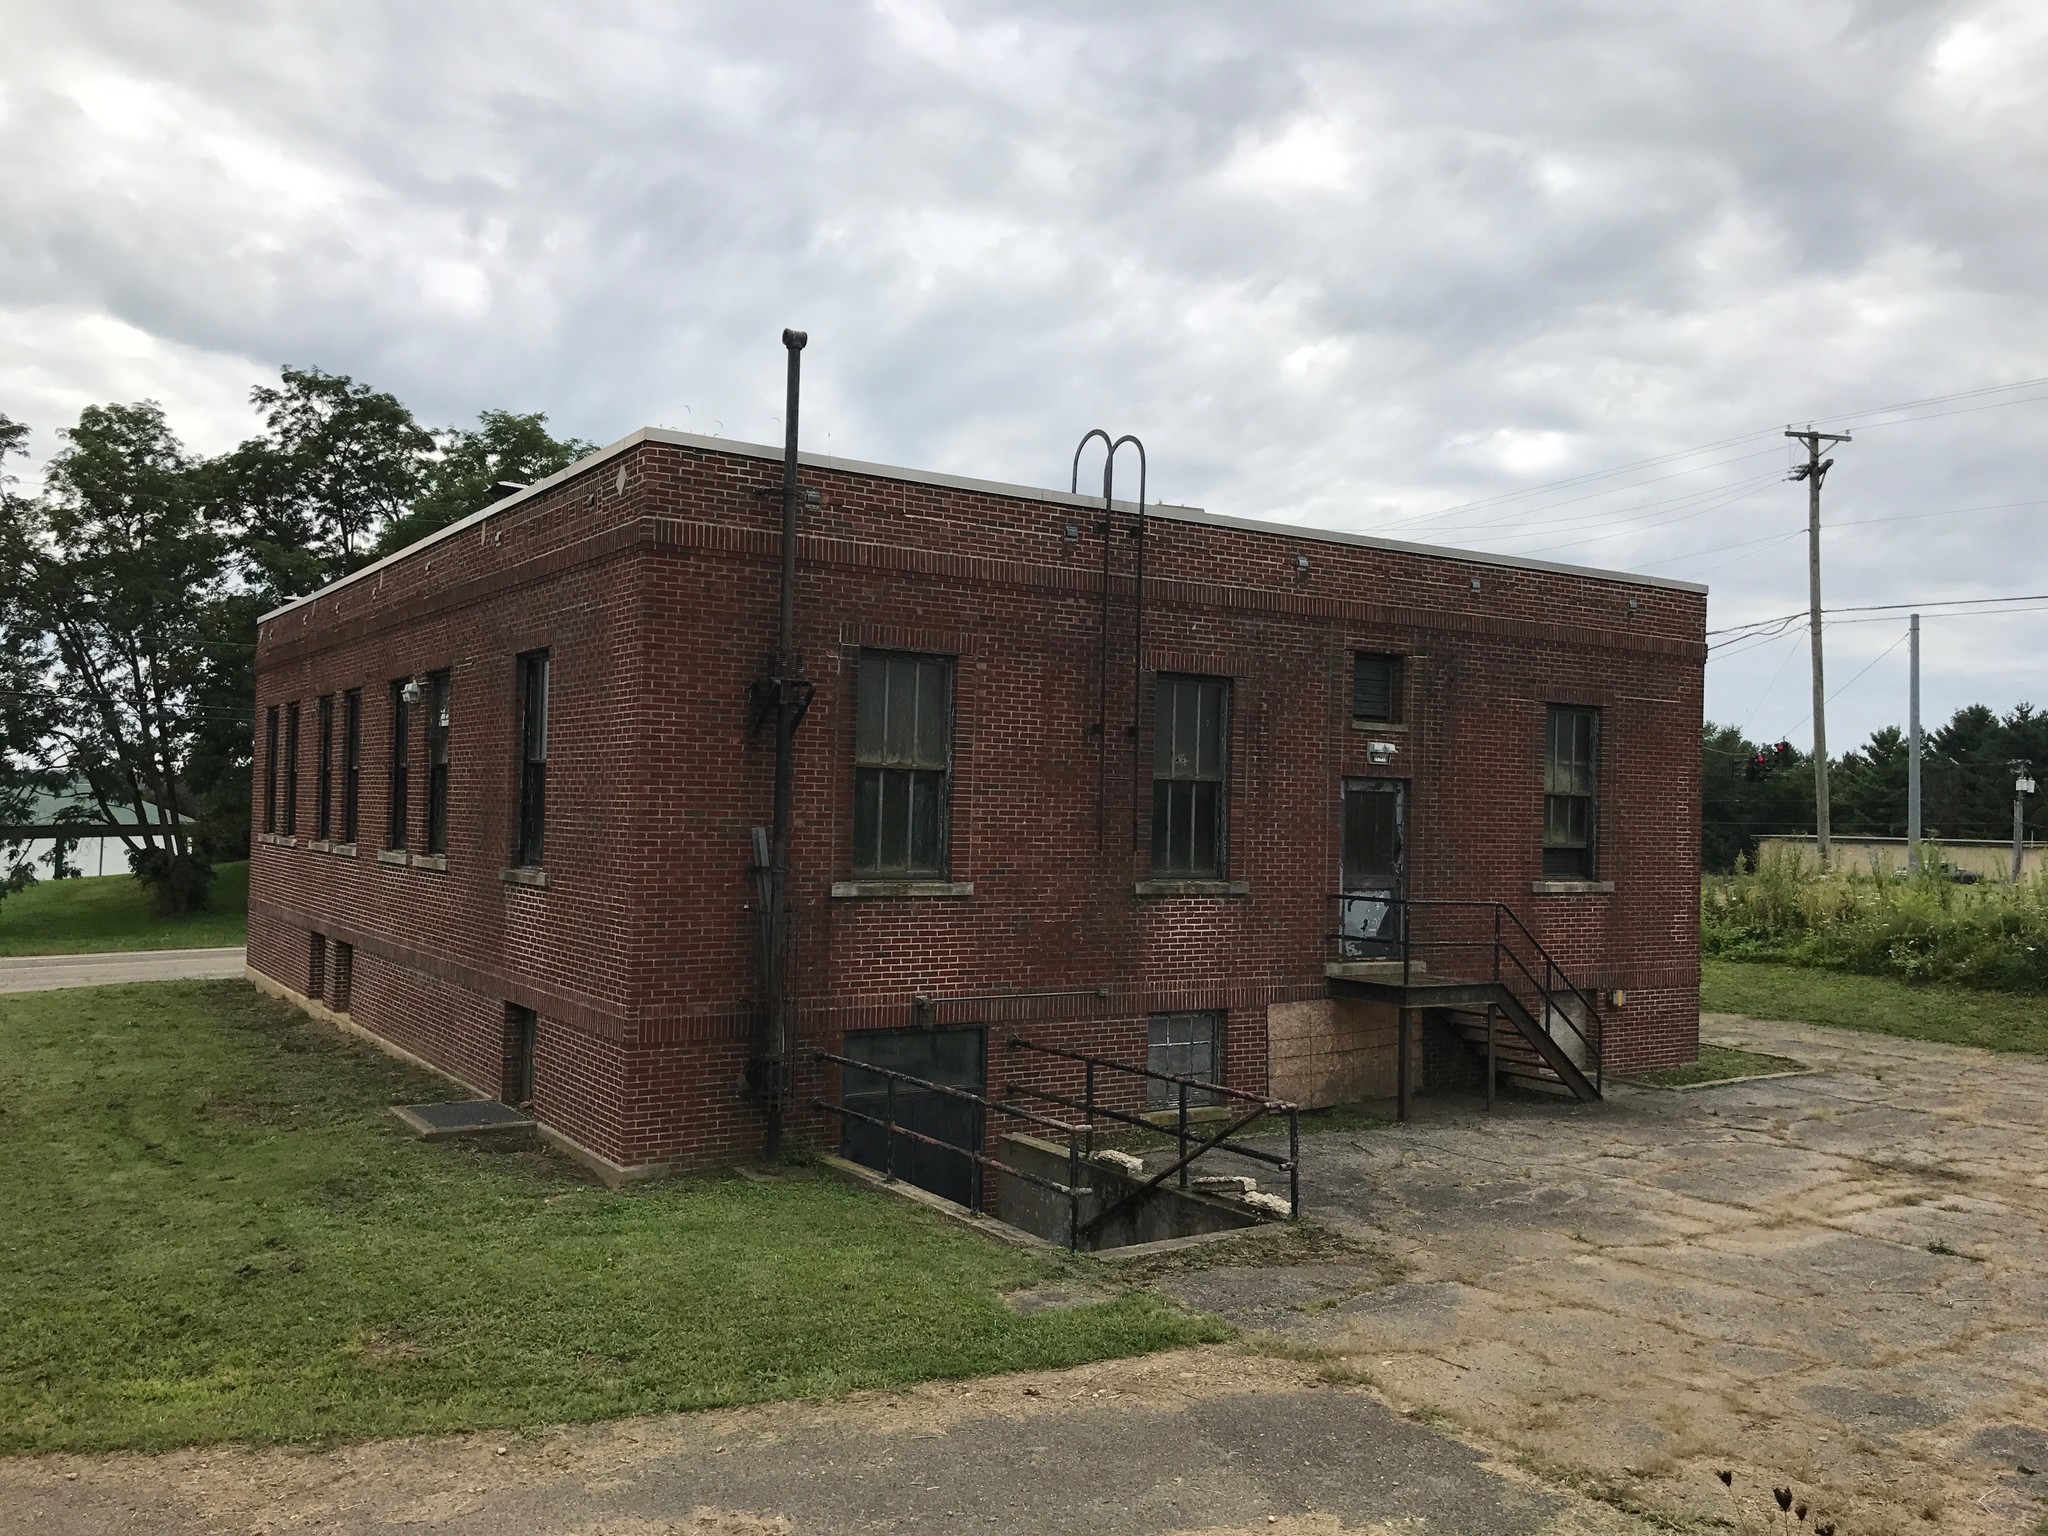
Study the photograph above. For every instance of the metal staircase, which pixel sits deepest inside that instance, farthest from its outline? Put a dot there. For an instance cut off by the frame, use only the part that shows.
(1492, 979)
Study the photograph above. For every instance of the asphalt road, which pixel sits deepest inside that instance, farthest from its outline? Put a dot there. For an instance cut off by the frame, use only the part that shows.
(43, 973)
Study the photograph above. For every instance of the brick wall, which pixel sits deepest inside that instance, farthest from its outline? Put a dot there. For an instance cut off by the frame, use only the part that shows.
(651, 576)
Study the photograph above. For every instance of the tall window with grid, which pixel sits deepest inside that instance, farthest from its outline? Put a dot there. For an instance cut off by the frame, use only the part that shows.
(903, 755)
(1571, 774)
(530, 838)
(401, 765)
(323, 772)
(1190, 722)
(351, 762)
(291, 769)
(437, 763)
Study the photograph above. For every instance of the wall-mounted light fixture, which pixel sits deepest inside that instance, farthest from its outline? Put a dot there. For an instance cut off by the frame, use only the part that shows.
(1301, 565)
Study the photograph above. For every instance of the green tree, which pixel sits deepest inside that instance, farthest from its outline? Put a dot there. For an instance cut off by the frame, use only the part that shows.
(335, 462)
(21, 717)
(1740, 803)
(502, 446)
(108, 574)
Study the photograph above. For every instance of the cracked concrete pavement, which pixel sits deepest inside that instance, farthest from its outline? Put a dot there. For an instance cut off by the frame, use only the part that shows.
(1837, 1281)
(1209, 1441)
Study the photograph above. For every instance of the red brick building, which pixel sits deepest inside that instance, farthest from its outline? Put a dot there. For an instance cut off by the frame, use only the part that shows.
(505, 782)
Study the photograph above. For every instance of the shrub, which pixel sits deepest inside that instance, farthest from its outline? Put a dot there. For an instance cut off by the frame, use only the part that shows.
(178, 883)
(1920, 927)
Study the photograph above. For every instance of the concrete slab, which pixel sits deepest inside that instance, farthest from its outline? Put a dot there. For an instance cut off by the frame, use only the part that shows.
(1837, 1281)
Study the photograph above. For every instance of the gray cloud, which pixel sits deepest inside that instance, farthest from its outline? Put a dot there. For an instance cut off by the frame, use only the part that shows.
(1338, 264)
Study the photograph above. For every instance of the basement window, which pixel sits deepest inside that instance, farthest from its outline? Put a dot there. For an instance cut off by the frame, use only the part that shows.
(1570, 792)
(1376, 688)
(1186, 1045)
(902, 754)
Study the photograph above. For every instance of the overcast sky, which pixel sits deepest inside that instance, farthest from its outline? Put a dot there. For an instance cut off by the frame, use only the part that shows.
(1351, 264)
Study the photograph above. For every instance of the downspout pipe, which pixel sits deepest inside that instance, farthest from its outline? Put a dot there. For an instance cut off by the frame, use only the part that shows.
(777, 989)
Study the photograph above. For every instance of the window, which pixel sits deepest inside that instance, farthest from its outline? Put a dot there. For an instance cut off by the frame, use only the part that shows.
(1570, 813)
(902, 753)
(401, 748)
(351, 762)
(1376, 688)
(533, 757)
(323, 774)
(521, 1026)
(1187, 1045)
(316, 965)
(437, 763)
(1188, 736)
(270, 770)
(341, 976)
(291, 769)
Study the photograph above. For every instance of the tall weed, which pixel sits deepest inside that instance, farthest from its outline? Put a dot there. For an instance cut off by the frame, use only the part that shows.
(1920, 927)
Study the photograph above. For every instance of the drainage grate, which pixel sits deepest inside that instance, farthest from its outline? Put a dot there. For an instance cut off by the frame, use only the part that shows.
(466, 1117)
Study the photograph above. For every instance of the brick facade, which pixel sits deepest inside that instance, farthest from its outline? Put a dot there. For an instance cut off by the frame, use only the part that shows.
(649, 574)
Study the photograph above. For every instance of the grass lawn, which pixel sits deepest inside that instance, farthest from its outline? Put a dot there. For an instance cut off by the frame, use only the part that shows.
(212, 1229)
(106, 912)
(1718, 1064)
(1999, 1021)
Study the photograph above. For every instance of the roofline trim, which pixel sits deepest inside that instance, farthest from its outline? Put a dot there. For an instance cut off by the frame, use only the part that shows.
(1177, 513)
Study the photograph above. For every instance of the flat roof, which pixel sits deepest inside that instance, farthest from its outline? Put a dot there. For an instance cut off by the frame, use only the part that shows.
(994, 487)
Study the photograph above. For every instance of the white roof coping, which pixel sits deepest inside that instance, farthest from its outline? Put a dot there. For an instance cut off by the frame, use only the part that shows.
(991, 487)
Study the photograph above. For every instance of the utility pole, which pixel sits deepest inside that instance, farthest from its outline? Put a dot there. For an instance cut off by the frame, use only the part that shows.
(1813, 471)
(1913, 744)
(2022, 786)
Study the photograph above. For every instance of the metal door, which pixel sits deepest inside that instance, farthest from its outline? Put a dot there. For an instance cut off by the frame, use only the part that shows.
(1375, 861)
(953, 1057)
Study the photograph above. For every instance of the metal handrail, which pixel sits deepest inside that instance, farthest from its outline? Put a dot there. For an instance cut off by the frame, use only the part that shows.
(1554, 985)
(1262, 1107)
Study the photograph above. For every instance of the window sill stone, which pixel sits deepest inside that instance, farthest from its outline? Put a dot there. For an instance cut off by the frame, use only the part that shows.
(321, 845)
(1571, 887)
(1380, 727)
(392, 856)
(919, 889)
(430, 861)
(277, 839)
(535, 878)
(1193, 888)
(342, 850)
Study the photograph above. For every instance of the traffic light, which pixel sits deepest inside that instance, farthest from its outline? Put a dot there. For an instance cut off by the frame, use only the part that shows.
(1757, 768)
(1784, 752)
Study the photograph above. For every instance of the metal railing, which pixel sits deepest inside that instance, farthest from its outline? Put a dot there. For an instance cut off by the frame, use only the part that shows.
(1075, 1135)
(1512, 956)
(1189, 1143)
(1079, 1138)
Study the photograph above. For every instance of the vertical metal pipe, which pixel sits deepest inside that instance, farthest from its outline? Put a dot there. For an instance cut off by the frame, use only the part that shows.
(1183, 1135)
(1492, 1066)
(776, 988)
(1073, 1193)
(1401, 1064)
(889, 1128)
(1091, 1107)
(1913, 743)
(1294, 1162)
